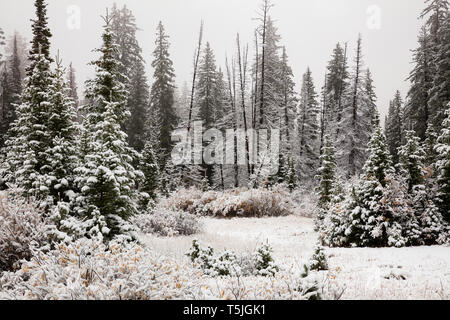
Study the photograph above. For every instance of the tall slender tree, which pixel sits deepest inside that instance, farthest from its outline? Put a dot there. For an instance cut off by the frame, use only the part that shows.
(106, 176)
(162, 93)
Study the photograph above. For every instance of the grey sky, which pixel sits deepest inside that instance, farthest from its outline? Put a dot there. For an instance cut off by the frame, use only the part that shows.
(309, 30)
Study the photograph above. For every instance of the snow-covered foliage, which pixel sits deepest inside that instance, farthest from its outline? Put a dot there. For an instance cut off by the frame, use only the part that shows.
(385, 209)
(165, 222)
(21, 227)
(264, 263)
(228, 263)
(232, 203)
(90, 270)
(319, 260)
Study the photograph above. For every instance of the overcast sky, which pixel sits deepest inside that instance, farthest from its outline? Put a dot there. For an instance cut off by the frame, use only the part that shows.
(309, 29)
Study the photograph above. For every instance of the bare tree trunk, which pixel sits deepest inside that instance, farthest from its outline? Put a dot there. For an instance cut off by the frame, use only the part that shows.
(196, 59)
(232, 91)
(243, 61)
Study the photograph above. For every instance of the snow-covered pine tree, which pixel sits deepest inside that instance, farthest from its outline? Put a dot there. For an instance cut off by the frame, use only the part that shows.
(371, 220)
(72, 83)
(326, 181)
(40, 45)
(150, 182)
(327, 173)
(132, 71)
(269, 65)
(63, 147)
(162, 94)
(394, 126)
(207, 100)
(336, 85)
(27, 161)
(107, 177)
(440, 90)
(421, 77)
(420, 187)
(11, 84)
(371, 108)
(289, 106)
(411, 160)
(308, 130)
(443, 167)
(356, 121)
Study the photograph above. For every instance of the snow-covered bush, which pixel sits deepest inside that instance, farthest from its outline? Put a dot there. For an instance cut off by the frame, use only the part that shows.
(319, 260)
(232, 203)
(212, 264)
(168, 223)
(89, 269)
(228, 263)
(21, 226)
(264, 263)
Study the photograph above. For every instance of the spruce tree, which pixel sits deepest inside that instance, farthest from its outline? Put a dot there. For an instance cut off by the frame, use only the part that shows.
(393, 130)
(132, 73)
(440, 90)
(62, 129)
(308, 129)
(207, 100)
(443, 167)
(150, 183)
(40, 45)
(327, 173)
(72, 84)
(356, 125)
(107, 177)
(417, 111)
(28, 161)
(412, 158)
(336, 84)
(162, 94)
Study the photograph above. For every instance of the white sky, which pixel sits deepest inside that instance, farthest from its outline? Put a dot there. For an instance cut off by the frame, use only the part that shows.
(309, 28)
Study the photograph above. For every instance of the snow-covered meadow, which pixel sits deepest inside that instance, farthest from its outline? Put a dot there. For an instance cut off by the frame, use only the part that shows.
(362, 273)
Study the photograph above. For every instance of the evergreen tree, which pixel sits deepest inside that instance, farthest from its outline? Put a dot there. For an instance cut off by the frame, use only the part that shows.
(62, 129)
(162, 94)
(327, 173)
(72, 83)
(138, 101)
(356, 123)
(412, 158)
(393, 127)
(28, 161)
(40, 45)
(443, 167)
(150, 183)
(336, 84)
(440, 90)
(107, 177)
(379, 162)
(421, 77)
(131, 73)
(308, 129)
(207, 100)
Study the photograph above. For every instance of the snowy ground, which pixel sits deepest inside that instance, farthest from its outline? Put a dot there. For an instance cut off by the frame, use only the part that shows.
(387, 273)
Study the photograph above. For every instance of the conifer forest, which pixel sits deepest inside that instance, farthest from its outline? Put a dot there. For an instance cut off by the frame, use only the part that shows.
(243, 175)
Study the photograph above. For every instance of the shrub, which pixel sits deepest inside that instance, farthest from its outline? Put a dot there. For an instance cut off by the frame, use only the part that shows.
(264, 263)
(319, 260)
(228, 263)
(21, 226)
(232, 203)
(88, 269)
(168, 223)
